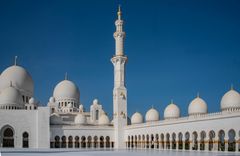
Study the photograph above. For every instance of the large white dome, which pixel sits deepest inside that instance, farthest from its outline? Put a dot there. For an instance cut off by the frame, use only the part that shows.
(231, 99)
(66, 90)
(197, 106)
(137, 118)
(80, 119)
(171, 111)
(19, 78)
(103, 120)
(152, 115)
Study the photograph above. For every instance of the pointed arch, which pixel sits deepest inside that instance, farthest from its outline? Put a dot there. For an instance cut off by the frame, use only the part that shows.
(57, 142)
(25, 140)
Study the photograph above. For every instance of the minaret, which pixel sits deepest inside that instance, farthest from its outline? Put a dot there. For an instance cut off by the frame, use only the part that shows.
(119, 92)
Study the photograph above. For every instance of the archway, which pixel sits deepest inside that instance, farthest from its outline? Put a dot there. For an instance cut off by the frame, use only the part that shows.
(83, 142)
(25, 143)
(147, 141)
(194, 141)
(135, 141)
(77, 144)
(202, 140)
(95, 141)
(139, 141)
(70, 142)
(211, 140)
(132, 141)
(187, 142)
(157, 140)
(101, 142)
(89, 142)
(143, 141)
(231, 140)
(162, 141)
(64, 143)
(174, 141)
(221, 141)
(107, 141)
(8, 137)
(180, 141)
(168, 141)
(57, 142)
(152, 141)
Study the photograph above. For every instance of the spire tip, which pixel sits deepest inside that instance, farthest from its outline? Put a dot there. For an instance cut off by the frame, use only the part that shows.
(15, 60)
(119, 12)
(198, 95)
(66, 76)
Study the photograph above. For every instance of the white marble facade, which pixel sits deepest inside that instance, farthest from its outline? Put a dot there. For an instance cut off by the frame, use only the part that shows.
(65, 123)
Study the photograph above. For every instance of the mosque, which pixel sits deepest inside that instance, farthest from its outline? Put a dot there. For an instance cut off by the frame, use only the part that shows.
(64, 123)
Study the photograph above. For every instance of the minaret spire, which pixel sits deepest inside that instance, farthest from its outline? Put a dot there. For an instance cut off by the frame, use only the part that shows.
(119, 34)
(119, 12)
(119, 61)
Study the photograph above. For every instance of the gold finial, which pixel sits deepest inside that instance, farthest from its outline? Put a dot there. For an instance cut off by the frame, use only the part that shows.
(232, 88)
(119, 12)
(171, 101)
(15, 60)
(152, 107)
(66, 76)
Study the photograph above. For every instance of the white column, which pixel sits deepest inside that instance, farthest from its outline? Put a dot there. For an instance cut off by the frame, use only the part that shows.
(160, 143)
(177, 144)
(215, 144)
(226, 143)
(237, 143)
(183, 145)
(170, 144)
(190, 143)
(206, 144)
(199, 144)
(155, 143)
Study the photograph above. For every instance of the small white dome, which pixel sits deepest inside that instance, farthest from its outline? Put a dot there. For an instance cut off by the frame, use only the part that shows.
(52, 100)
(137, 118)
(32, 101)
(152, 115)
(10, 96)
(231, 99)
(80, 119)
(197, 106)
(19, 77)
(171, 111)
(103, 120)
(66, 90)
(55, 119)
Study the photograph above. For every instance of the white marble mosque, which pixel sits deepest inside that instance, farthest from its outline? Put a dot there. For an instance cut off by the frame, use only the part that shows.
(64, 123)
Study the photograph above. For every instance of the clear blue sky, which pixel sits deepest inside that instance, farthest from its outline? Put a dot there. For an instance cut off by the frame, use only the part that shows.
(175, 48)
